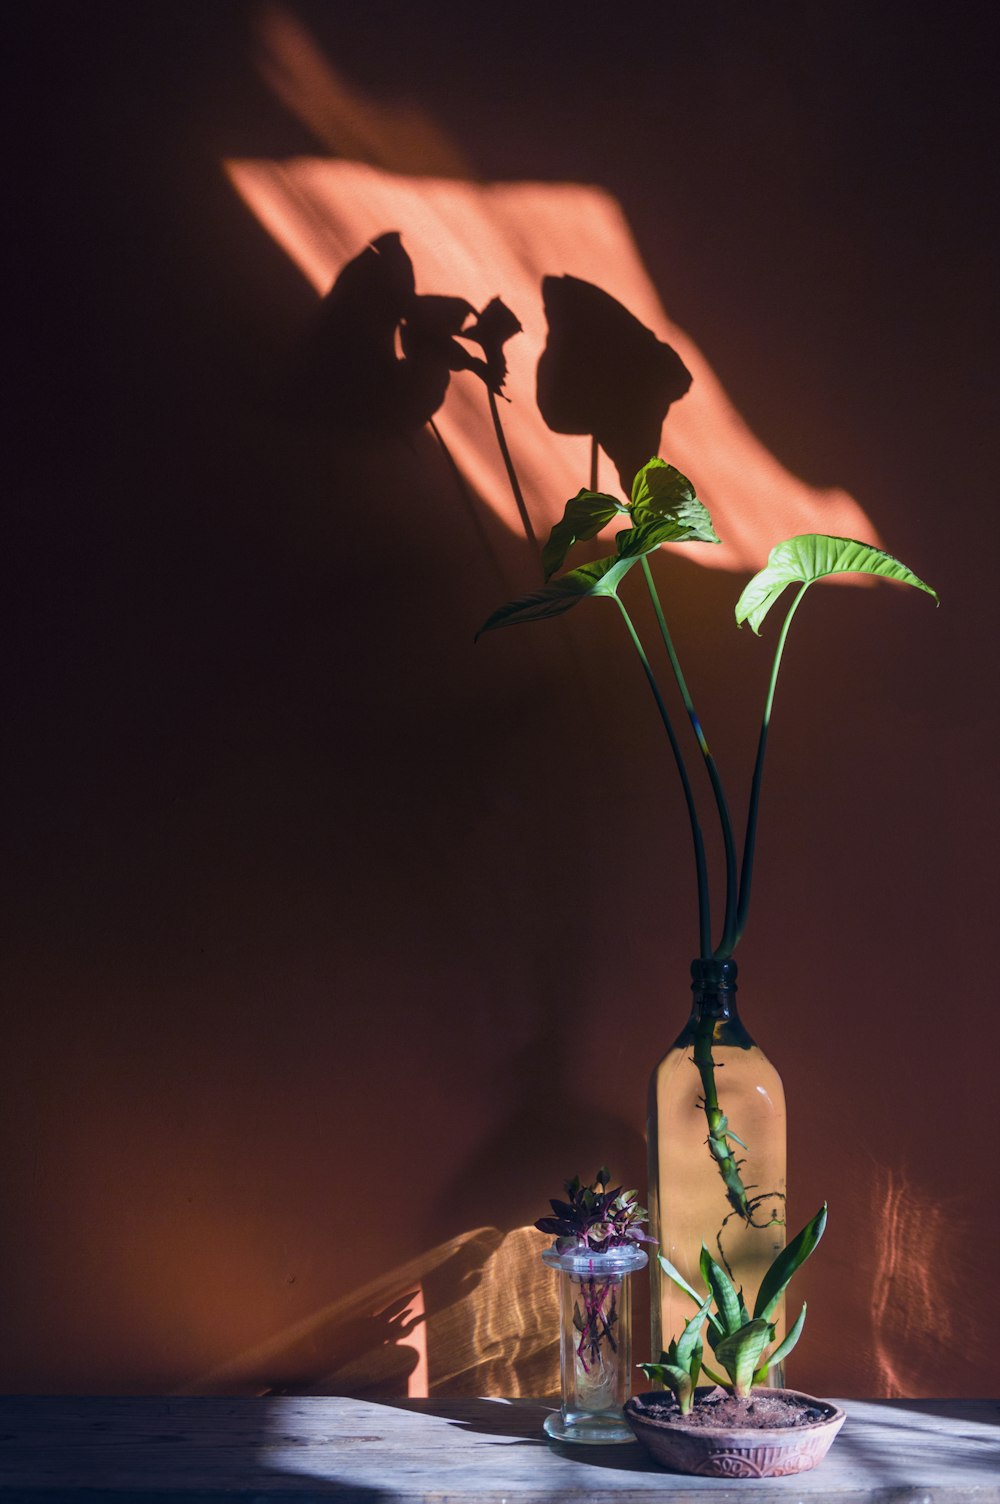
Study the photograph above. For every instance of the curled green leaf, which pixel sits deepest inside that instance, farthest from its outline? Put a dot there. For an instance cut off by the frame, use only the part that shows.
(672, 1377)
(584, 515)
(811, 557)
(661, 494)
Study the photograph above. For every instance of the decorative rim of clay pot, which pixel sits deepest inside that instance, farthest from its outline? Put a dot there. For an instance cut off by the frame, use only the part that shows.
(737, 1452)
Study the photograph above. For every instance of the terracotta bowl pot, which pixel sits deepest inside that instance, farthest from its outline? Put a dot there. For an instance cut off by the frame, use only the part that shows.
(736, 1452)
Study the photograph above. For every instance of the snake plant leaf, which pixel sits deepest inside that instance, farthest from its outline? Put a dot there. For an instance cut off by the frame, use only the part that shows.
(583, 517)
(739, 1353)
(726, 1300)
(600, 578)
(811, 557)
(688, 1342)
(674, 1378)
(783, 1348)
(682, 1284)
(772, 1286)
(660, 492)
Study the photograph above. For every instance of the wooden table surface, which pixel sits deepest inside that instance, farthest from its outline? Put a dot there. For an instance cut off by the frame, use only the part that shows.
(451, 1452)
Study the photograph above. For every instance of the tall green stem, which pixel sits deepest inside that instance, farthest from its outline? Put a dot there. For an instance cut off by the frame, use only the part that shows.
(704, 912)
(726, 944)
(593, 464)
(515, 487)
(750, 840)
(718, 1141)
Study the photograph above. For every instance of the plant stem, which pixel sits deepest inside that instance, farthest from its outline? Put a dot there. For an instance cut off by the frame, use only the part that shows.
(718, 1143)
(512, 473)
(726, 944)
(704, 913)
(750, 839)
(593, 463)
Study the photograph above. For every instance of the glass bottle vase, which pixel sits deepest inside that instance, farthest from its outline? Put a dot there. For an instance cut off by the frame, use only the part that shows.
(716, 1141)
(595, 1342)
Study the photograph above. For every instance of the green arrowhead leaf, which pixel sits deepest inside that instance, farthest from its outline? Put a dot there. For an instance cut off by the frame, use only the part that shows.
(740, 1351)
(661, 491)
(726, 1300)
(600, 578)
(584, 516)
(811, 557)
(772, 1286)
(665, 509)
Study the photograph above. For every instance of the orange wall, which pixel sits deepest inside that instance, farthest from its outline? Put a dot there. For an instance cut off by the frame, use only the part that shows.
(336, 939)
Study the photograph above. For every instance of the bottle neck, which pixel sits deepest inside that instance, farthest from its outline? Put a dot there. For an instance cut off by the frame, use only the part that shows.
(713, 991)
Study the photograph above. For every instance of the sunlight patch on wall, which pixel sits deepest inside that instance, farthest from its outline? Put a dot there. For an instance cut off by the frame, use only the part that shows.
(919, 1290)
(480, 241)
(474, 1316)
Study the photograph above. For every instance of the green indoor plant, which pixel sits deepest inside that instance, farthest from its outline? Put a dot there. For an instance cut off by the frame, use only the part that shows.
(739, 1340)
(745, 1152)
(739, 1428)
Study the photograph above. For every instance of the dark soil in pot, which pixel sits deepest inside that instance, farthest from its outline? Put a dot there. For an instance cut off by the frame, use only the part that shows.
(763, 1410)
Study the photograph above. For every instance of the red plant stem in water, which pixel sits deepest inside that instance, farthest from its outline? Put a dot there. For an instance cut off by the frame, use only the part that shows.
(594, 1320)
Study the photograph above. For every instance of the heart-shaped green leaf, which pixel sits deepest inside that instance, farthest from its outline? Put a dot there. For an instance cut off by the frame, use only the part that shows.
(739, 1353)
(772, 1286)
(811, 557)
(584, 516)
(660, 488)
(600, 578)
(661, 494)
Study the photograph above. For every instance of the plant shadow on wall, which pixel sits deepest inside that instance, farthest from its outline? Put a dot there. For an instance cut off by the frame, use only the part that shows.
(474, 1315)
(378, 363)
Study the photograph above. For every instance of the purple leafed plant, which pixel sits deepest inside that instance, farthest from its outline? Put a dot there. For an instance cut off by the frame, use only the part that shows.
(594, 1220)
